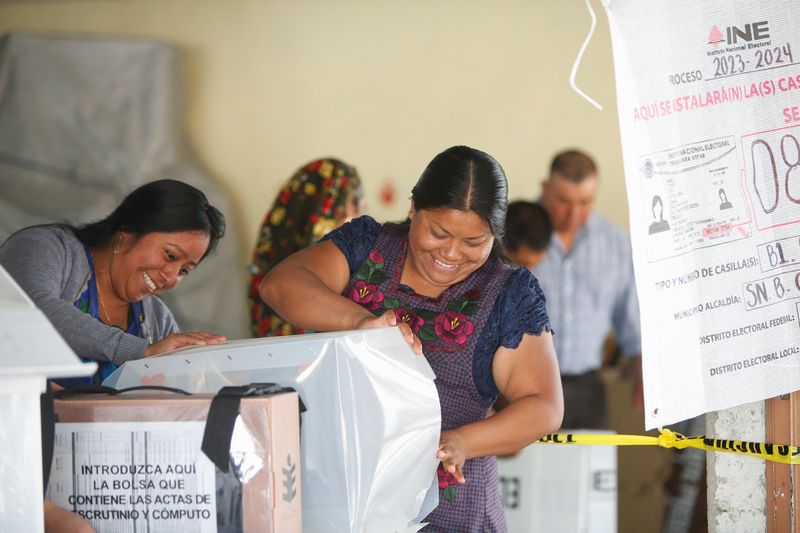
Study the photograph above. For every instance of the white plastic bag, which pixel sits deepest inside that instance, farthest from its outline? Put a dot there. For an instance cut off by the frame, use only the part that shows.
(369, 436)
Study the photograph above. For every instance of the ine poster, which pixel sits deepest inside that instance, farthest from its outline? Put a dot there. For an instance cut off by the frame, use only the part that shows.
(709, 109)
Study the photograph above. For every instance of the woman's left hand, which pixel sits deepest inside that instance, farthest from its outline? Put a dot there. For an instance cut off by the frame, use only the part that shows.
(453, 453)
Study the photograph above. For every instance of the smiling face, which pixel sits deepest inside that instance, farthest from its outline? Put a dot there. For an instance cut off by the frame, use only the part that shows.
(154, 262)
(444, 247)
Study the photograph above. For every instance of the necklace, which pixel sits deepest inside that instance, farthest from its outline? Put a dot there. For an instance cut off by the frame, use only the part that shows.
(105, 309)
(97, 286)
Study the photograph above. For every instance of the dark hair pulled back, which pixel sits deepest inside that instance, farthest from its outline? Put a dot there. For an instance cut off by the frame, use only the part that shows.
(466, 179)
(159, 206)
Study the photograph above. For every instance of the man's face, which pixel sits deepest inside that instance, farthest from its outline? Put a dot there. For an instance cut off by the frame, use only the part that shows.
(569, 203)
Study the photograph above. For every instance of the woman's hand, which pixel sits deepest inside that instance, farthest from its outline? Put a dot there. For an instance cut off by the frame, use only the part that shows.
(453, 453)
(182, 340)
(389, 319)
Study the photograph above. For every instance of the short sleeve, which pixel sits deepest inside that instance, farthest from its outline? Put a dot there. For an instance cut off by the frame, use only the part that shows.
(522, 309)
(355, 239)
(519, 309)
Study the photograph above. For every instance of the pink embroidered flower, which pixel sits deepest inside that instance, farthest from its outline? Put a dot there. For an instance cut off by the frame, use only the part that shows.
(453, 327)
(413, 320)
(367, 294)
(376, 257)
(445, 478)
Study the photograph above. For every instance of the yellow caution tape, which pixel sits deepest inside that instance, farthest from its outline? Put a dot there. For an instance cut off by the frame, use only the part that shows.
(780, 453)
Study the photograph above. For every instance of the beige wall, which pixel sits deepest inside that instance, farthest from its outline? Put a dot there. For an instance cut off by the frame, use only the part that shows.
(384, 85)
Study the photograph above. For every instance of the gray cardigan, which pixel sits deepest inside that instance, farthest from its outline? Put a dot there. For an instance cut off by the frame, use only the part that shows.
(50, 264)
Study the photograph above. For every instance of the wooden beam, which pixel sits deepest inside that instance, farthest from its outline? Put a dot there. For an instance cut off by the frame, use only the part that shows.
(783, 481)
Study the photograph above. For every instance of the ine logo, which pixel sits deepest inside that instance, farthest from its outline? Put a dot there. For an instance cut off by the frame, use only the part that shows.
(754, 31)
(289, 488)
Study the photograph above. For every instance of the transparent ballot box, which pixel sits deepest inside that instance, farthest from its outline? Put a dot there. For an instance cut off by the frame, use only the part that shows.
(371, 429)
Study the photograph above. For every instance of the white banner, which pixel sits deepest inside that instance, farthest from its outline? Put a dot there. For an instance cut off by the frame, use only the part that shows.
(709, 107)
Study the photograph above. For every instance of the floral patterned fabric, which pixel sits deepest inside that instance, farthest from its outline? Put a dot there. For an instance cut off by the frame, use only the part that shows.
(309, 205)
(460, 331)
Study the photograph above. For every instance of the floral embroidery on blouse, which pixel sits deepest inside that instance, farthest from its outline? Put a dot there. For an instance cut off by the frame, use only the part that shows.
(447, 484)
(452, 327)
(369, 276)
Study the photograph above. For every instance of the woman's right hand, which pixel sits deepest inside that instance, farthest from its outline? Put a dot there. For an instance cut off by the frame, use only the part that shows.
(389, 319)
(175, 341)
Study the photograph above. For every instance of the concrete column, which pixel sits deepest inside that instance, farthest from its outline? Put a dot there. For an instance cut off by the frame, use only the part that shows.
(736, 483)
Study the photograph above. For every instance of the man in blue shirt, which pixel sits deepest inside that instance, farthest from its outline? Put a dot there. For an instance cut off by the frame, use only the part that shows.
(587, 277)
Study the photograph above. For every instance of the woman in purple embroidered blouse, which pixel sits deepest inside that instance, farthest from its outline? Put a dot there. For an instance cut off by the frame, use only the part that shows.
(481, 324)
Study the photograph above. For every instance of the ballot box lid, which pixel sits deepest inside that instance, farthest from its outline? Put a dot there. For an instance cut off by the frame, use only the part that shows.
(29, 344)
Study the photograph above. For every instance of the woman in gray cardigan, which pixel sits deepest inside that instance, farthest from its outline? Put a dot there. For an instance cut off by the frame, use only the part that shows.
(98, 283)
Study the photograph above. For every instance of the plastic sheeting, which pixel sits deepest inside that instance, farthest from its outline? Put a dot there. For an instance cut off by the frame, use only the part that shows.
(369, 436)
(83, 121)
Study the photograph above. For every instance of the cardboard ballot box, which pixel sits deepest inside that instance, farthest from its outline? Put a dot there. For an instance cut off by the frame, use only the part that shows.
(133, 462)
(560, 487)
